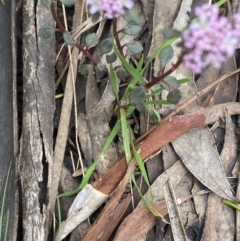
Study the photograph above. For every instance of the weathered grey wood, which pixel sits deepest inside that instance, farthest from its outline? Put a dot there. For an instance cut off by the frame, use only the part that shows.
(7, 116)
(36, 150)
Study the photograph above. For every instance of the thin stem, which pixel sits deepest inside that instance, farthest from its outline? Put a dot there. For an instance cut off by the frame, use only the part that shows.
(55, 17)
(161, 77)
(115, 35)
(63, 30)
(86, 53)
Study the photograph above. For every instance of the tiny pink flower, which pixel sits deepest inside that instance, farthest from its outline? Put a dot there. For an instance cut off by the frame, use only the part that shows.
(210, 39)
(111, 8)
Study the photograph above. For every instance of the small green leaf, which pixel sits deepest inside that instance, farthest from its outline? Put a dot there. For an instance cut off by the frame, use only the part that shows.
(121, 73)
(134, 47)
(95, 17)
(137, 77)
(106, 46)
(157, 52)
(111, 57)
(46, 3)
(68, 39)
(101, 67)
(174, 96)
(171, 33)
(100, 71)
(131, 17)
(137, 94)
(91, 39)
(46, 31)
(157, 102)
(84, 69)
(171, 84)
(166, 55)
(126, 135)
(155, 112)
(114, 82)
(131, 29)
(137, 97)
(68, 3)
(140, 106)
(185, 80)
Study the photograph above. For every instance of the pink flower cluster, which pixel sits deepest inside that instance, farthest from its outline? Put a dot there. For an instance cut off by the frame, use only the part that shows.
(210, 39)
(111, 8)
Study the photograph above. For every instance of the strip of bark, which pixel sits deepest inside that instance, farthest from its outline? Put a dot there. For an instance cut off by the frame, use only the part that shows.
(36, 151)
(8, 133)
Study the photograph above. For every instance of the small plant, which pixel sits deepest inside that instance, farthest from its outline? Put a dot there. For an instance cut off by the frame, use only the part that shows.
(209, 39)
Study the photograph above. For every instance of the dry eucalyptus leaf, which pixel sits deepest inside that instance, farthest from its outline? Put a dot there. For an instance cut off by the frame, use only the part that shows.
(107, 98)
(187, 211)
(219, 222)
(199, 154)
(230, 149)
(174, 174)
(220, 218)
(85, 203)
(85, 139)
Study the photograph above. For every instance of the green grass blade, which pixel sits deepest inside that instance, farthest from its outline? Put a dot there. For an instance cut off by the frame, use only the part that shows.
(114, 82)
(140, 163)
(90, 170)
(131, 70)
(157, 102)
(126, 135)
(133, 81)
(159, 90)
(146, 203)
(155, 92)
(220, 3)
(129, 110)
(140, 64)
(232, 204)
(157, 52)
(7, 223)
(156, 113)
(3, 200)
(185, 80)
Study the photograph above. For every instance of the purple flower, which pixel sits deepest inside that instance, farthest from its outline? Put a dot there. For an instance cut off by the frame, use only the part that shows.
(210, 39)
(111, 8)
